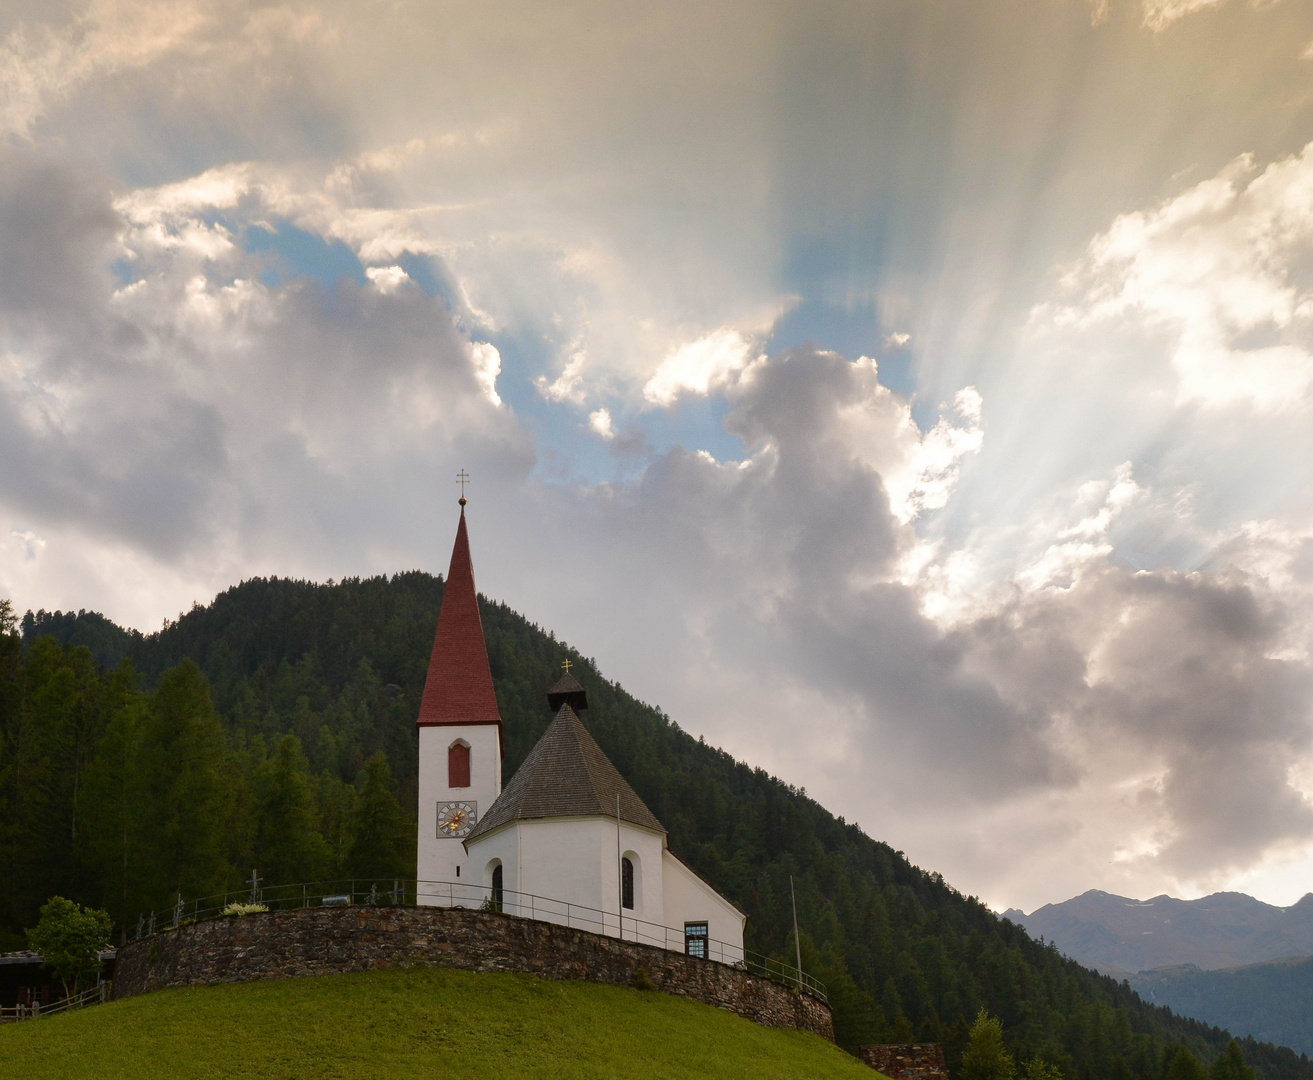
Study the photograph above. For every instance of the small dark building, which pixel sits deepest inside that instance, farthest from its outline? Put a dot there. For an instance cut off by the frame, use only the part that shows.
(907, 1061)
(24, 982)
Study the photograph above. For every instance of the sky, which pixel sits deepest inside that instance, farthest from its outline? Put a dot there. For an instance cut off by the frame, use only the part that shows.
(914, 398)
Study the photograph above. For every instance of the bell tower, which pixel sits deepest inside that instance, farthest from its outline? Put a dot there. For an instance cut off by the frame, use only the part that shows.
(460, 738)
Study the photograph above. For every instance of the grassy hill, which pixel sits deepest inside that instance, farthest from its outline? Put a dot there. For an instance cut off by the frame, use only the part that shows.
(421, 1022)
(311, 681)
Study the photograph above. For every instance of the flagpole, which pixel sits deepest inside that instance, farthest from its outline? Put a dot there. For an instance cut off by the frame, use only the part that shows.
(619, 872)
(797, 942)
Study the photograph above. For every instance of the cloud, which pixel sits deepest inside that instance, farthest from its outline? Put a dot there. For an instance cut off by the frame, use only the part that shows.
(41, 65)
(387, 279)
(487, 366)
(700, 366)
(569, 384)
(1224, 268)
(599, 422)
(1080, 715)
(1160, 14)
(184, 412)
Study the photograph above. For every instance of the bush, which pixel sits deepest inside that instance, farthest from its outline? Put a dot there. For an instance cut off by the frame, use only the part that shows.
(244, 909)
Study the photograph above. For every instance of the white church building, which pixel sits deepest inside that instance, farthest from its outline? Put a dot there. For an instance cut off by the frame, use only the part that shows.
(568, 840)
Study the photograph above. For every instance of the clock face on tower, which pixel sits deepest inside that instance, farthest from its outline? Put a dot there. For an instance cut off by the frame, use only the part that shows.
(456, 818)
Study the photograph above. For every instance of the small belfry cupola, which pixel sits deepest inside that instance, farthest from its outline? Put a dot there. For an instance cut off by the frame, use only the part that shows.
(567, 691)
(459, 687)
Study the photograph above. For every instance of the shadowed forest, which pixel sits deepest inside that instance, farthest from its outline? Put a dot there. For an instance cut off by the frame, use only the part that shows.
(275, 729)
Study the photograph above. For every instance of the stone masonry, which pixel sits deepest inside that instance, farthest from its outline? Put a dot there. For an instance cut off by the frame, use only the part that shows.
(317, 940)
(911, 1061)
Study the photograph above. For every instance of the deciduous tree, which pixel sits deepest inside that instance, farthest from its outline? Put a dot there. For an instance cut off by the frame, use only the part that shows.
(69, 938)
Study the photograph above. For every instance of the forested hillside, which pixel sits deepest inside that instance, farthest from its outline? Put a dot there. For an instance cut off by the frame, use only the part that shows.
(1270, 1001)
(275, 728)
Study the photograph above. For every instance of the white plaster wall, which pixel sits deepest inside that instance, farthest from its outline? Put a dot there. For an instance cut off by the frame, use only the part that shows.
(690, 899)
(500, 845)
(439, 857)
(565, 871)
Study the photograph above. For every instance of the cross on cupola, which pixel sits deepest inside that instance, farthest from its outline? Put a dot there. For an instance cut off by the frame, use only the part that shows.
(462, 478)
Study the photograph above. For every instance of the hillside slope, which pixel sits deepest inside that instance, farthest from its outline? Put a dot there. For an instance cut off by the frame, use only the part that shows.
(341, 666)
(1118, 935)
(422, 1022)
(1268, 1001)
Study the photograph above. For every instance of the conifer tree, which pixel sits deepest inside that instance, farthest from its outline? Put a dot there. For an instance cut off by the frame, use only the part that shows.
(1183, 1065)
(378, 849)
(114, 788)
(289, 848)
(1230, 1064)
(184, 800)
(986, 1058)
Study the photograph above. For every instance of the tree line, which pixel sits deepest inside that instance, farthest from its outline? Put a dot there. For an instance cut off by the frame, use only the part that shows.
(294, 691)
(125, 795)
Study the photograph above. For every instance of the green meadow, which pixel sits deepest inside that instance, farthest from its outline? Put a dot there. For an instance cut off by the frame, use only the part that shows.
(420, 1022)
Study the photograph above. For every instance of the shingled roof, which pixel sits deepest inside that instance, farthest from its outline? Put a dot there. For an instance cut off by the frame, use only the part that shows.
(566, 775)
(458, 689)
(567, 691)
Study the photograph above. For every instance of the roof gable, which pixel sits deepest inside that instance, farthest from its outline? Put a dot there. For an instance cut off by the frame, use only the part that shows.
(458, 689)
(566, 775)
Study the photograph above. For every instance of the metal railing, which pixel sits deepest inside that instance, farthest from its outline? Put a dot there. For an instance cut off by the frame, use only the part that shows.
(93, 996)
(454, 894)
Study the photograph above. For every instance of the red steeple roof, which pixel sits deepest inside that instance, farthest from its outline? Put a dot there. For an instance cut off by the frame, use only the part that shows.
(459, 685)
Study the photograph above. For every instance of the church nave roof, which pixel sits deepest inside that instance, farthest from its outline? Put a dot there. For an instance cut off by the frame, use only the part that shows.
(566, 775)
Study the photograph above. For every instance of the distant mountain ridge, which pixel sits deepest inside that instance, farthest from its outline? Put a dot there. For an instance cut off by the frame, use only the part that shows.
(1121, 936)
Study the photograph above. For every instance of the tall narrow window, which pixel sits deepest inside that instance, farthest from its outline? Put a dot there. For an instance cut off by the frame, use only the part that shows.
(695, 939)
(496, 887)
(627, 883)
(458, 765)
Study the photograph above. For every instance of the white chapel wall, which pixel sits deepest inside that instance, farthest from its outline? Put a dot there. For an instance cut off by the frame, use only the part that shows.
(690, 899)
(550, 863)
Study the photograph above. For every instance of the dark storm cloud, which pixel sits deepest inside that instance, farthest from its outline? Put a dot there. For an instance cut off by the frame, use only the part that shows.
(55, 225)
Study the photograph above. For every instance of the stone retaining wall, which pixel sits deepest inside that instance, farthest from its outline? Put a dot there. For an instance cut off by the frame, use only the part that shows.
(907, 1061)
(313, 941)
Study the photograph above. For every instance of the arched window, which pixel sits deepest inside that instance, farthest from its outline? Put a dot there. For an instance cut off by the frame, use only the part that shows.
(627, 883)
(458, 764)
(496, 887)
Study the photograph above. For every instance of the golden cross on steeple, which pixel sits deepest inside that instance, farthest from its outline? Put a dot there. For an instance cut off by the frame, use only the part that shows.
(462, 478)
(566, 665)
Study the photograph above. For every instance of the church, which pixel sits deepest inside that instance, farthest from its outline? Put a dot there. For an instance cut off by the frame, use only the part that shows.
(568, 840)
